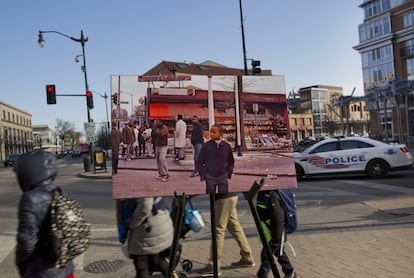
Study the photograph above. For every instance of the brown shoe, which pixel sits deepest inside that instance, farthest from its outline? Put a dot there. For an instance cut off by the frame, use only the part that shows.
(207, 271)
(243, 263)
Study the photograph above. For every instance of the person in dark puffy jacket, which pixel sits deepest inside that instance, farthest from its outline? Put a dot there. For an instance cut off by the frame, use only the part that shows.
(35, 172)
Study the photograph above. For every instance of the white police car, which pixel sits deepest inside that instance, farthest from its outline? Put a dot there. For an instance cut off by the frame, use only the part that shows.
(352, 155)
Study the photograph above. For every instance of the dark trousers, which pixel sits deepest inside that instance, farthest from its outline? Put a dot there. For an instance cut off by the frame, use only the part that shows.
(265, 267)
(141, 148)
(221, 182)
(115, 165)
(146, 264)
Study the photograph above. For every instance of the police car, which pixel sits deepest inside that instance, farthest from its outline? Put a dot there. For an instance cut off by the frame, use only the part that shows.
(352, 155)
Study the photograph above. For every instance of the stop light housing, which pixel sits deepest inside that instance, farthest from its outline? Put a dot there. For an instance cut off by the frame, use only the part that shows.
(255, 66)
(115, 98)
(89, 99)
(51, 94)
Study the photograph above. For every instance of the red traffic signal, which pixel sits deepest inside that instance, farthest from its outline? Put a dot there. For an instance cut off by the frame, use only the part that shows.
(51, 94)
(89, 99)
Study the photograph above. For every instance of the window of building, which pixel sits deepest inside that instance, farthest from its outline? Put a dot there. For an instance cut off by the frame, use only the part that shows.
(410, 67)
(182, 65)
(408, 20)
(375, 28)
(376, 7)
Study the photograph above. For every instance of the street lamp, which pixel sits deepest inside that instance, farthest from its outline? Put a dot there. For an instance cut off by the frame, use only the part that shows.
(82, 41)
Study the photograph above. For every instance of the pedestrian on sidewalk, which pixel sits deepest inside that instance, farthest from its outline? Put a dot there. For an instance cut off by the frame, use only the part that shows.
(128, 138)
(226, 217)
(141, 141)
(161, 148)
(116, 140)
(149, 143)
(35, 172)
(180, 133)
(150, 236)
(197, 141)
(272, 221)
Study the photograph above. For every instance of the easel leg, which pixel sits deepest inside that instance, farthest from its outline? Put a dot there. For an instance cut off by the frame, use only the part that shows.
(249, 196)
(213, 232)
(180, 203)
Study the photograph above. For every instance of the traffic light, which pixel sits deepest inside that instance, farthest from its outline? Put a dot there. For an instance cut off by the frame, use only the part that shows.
(255, 66)
(51, 94)
(115, 98)
(89, 99)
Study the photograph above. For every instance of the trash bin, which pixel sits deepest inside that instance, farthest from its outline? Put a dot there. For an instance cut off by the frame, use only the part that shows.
(99, 160)
(87, 163)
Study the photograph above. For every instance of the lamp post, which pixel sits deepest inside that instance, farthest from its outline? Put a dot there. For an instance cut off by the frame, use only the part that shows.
(82, 41)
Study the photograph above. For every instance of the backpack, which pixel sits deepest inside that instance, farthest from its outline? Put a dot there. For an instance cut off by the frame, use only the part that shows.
(289, 207)
(70, 233)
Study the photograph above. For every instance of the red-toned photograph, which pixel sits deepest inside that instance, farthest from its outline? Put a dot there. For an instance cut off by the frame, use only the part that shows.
(190, 134)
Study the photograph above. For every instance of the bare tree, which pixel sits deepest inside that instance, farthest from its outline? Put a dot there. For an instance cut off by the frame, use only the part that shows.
(65, 129)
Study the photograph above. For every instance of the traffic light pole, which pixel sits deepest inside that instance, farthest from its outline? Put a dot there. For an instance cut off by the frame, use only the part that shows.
(82, 41)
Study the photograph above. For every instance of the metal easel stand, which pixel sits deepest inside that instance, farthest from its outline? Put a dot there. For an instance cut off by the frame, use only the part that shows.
(250, 196)
(180, 202)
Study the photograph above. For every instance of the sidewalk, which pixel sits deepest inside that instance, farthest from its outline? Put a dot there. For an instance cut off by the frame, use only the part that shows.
(364, 239)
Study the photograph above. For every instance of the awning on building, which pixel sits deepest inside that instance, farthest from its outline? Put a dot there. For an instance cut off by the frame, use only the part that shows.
(159, 111)
(188, 110)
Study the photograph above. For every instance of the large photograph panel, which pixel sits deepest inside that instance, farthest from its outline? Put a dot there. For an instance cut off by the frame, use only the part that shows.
(251, 110)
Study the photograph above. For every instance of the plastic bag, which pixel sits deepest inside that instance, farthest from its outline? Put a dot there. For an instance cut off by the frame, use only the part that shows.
(193, 218)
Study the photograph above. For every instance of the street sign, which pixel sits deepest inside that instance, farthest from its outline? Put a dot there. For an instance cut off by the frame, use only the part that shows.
(90, 131)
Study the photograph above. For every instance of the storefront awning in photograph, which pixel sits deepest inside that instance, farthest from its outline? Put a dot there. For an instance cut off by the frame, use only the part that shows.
(170, 111)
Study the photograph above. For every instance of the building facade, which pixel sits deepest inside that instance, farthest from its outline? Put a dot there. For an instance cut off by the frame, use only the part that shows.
(46, 138)
(386, 45)
(15, 131)
(322, 110)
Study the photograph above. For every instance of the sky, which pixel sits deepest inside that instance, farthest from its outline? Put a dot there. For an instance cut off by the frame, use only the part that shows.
(308, 42)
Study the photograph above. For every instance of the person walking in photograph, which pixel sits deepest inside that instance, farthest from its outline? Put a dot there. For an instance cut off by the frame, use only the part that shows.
(180, 133)
(197, 141)
(116, 141)
(149, 143)
(161, 148)
(128, 139)
(141, 141)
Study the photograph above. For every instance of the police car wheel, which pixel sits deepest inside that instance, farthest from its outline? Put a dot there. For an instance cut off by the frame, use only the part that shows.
(377, 169)
(299, 172)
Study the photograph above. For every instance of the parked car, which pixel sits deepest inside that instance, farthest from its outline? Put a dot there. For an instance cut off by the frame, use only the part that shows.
(9, 161)
(352, 155)
(76, 151)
